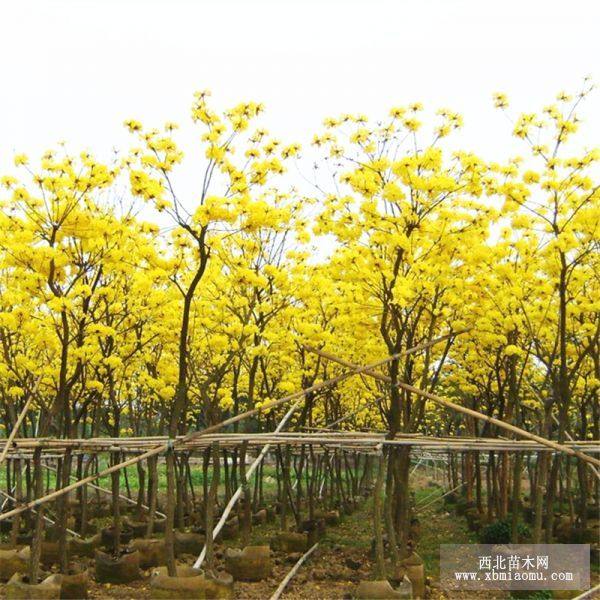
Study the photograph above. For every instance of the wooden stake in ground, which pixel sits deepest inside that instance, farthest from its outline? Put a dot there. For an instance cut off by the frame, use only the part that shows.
(462, 409)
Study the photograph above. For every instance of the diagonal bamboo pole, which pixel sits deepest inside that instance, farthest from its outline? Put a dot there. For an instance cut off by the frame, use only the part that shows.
(249, 413)
(20, 419)
(592, 467)
(46, 518)
(249, 474)
(423, 506)
(240, 489)
(109, 492)
(462, 409)
(567, 434)
(292, 572)
(589, 594)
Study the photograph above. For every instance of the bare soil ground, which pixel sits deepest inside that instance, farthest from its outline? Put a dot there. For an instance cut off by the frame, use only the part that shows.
(341, 561)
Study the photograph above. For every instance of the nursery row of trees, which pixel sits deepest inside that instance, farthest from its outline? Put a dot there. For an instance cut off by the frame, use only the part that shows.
(121, 323)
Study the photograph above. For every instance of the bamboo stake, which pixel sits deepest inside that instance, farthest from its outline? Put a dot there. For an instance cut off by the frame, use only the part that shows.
(468, 411)
(171, 444)
(20, 418)
(292, 572)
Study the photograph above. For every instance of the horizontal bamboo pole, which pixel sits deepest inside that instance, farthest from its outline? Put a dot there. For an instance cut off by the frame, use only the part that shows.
(462, 409)
(320, 436)
(56, 445)
(171, 444)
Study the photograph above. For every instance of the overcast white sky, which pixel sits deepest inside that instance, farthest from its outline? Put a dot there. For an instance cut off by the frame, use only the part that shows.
(75, 69)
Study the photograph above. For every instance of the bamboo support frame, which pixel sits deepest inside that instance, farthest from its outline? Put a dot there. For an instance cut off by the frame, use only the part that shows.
(146, 448)
(462, 409)
(567, 434)
(172, 444)
(322, 437)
